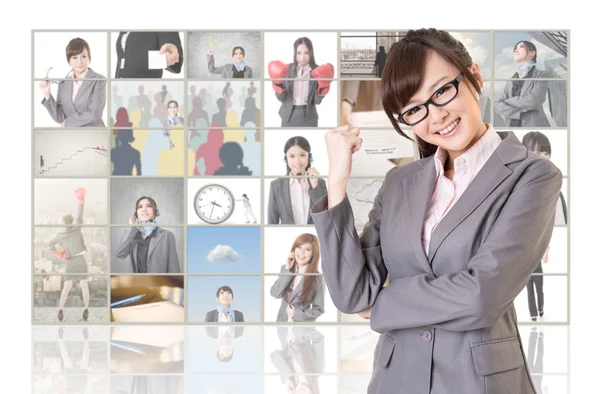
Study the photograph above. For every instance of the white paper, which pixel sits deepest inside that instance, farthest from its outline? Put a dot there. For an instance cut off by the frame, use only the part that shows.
(164, 311)
(385, 144)
(156, 61)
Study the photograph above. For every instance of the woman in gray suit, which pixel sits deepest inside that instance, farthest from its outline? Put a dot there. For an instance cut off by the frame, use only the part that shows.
(290, 199)
(70, 246)
(459, 232)
(151, 249)
(78, 103)
(521, 101)
(302, 296)
(237, 69)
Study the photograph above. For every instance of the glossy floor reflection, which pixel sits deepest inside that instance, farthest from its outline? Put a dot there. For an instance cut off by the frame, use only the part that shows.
(239, 359)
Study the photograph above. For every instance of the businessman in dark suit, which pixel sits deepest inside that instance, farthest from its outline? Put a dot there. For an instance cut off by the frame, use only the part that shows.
(132, 53)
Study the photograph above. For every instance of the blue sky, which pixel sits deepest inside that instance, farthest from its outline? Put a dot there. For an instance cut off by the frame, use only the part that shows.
(239, 250)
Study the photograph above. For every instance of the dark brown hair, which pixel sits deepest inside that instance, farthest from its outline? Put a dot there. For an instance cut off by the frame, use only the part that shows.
(403, 72)
(224, 288)
(240, 48)
(150, 200)
(76, 46)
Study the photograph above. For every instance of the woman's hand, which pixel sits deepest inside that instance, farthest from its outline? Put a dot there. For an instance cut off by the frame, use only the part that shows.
(290, 310)
(313, 175)
(45, 89)
(366, 314)
(341, 143)
(290, 261)
(133, 220)
(210, 51)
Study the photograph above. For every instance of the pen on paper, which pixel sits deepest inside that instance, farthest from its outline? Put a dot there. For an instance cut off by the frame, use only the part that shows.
(127, 300)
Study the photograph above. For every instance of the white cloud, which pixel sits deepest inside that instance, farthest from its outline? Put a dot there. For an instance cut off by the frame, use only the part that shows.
(223, 254)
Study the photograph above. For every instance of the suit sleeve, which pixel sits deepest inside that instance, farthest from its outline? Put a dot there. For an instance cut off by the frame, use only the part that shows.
(172, 37)
(477, 296)
(316, 307)
(173, 262)
(532, 99)
(502, 108)
(272, 211)
(353, 266)
(316, 193)
(124, 247)
(207, 317)
(79, 220)
(95, 108)
(282, 283)
(316, 97)
(211, 65)
(54, 108)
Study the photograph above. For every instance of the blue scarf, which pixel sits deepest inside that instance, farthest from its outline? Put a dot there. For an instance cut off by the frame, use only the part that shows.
(523, 69)
(146, 230)
(227, 309)
(239, 65)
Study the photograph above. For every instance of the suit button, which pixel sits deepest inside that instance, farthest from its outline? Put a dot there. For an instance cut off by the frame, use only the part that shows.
(427, 336)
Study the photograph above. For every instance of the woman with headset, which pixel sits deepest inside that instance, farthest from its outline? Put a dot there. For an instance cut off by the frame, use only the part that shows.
(290, 199)
(151, 249)
(302, 296)
(459, 232)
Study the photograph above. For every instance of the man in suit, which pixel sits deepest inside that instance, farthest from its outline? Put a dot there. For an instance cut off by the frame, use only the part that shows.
(132, 53)
(224, 312)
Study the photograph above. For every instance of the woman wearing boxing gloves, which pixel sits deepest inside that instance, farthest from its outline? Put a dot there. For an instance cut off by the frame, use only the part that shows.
(72, 249)
(299, 98)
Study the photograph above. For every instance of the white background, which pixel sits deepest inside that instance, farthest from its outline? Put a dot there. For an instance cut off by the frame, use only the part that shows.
(558, 142)
(43, 118)
(326, 384)
(237, 186)
(555, 301)
(16, 163)
(280, 46)
(51, 51)
(271, 305)
(166, 74)
(278, 242)
(327, 110)
(330, 341)
(555, 339)
(275, 142)
(267, 190)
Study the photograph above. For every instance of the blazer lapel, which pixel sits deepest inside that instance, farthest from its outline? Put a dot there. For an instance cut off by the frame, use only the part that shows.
(417, 194)
(492, 174)
(154, 241)
(134, 257)
(85, 85)
(287, 199)
(526, 86)
(297, 290)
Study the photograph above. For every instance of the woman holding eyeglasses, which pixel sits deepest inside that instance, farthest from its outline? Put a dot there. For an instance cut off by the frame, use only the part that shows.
(457, 232)
(521, 101)
(81, 97)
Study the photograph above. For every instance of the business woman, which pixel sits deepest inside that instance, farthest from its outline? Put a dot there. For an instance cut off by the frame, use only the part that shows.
(299, 98)
(173, 115)
(290, 199)
(150, 249)
(70, 247)
(237, 69)
(302, 296)
(520, 103)
(458, 232)
(224, 313)
(78, 103)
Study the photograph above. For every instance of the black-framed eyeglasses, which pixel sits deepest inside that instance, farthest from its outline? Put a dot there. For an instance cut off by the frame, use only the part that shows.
(48, 72)
(439, 98)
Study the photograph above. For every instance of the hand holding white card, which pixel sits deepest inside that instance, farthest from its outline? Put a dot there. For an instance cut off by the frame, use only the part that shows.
(156, 60)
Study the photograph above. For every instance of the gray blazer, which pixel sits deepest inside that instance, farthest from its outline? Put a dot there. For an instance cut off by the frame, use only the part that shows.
(213, 316)
(162, 253)
(72, 242)
(303, 312)
(449, 313)
(280, 202)
(86, 109)
(225, 70)
(287, 97)
(533, 95)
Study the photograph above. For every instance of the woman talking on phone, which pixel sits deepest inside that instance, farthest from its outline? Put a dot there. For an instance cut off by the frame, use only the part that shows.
(459, 232)
(302, 296)
(151, 249)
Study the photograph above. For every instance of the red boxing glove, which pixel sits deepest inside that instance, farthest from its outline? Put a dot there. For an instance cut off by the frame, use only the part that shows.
(277, 70)
(80, 195)
(61, 254)
(323, 71)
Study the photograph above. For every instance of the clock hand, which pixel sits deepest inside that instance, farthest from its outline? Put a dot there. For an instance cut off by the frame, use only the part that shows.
(211, 211)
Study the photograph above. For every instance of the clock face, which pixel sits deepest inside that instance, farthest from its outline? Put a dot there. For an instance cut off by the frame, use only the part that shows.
(214, 203)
